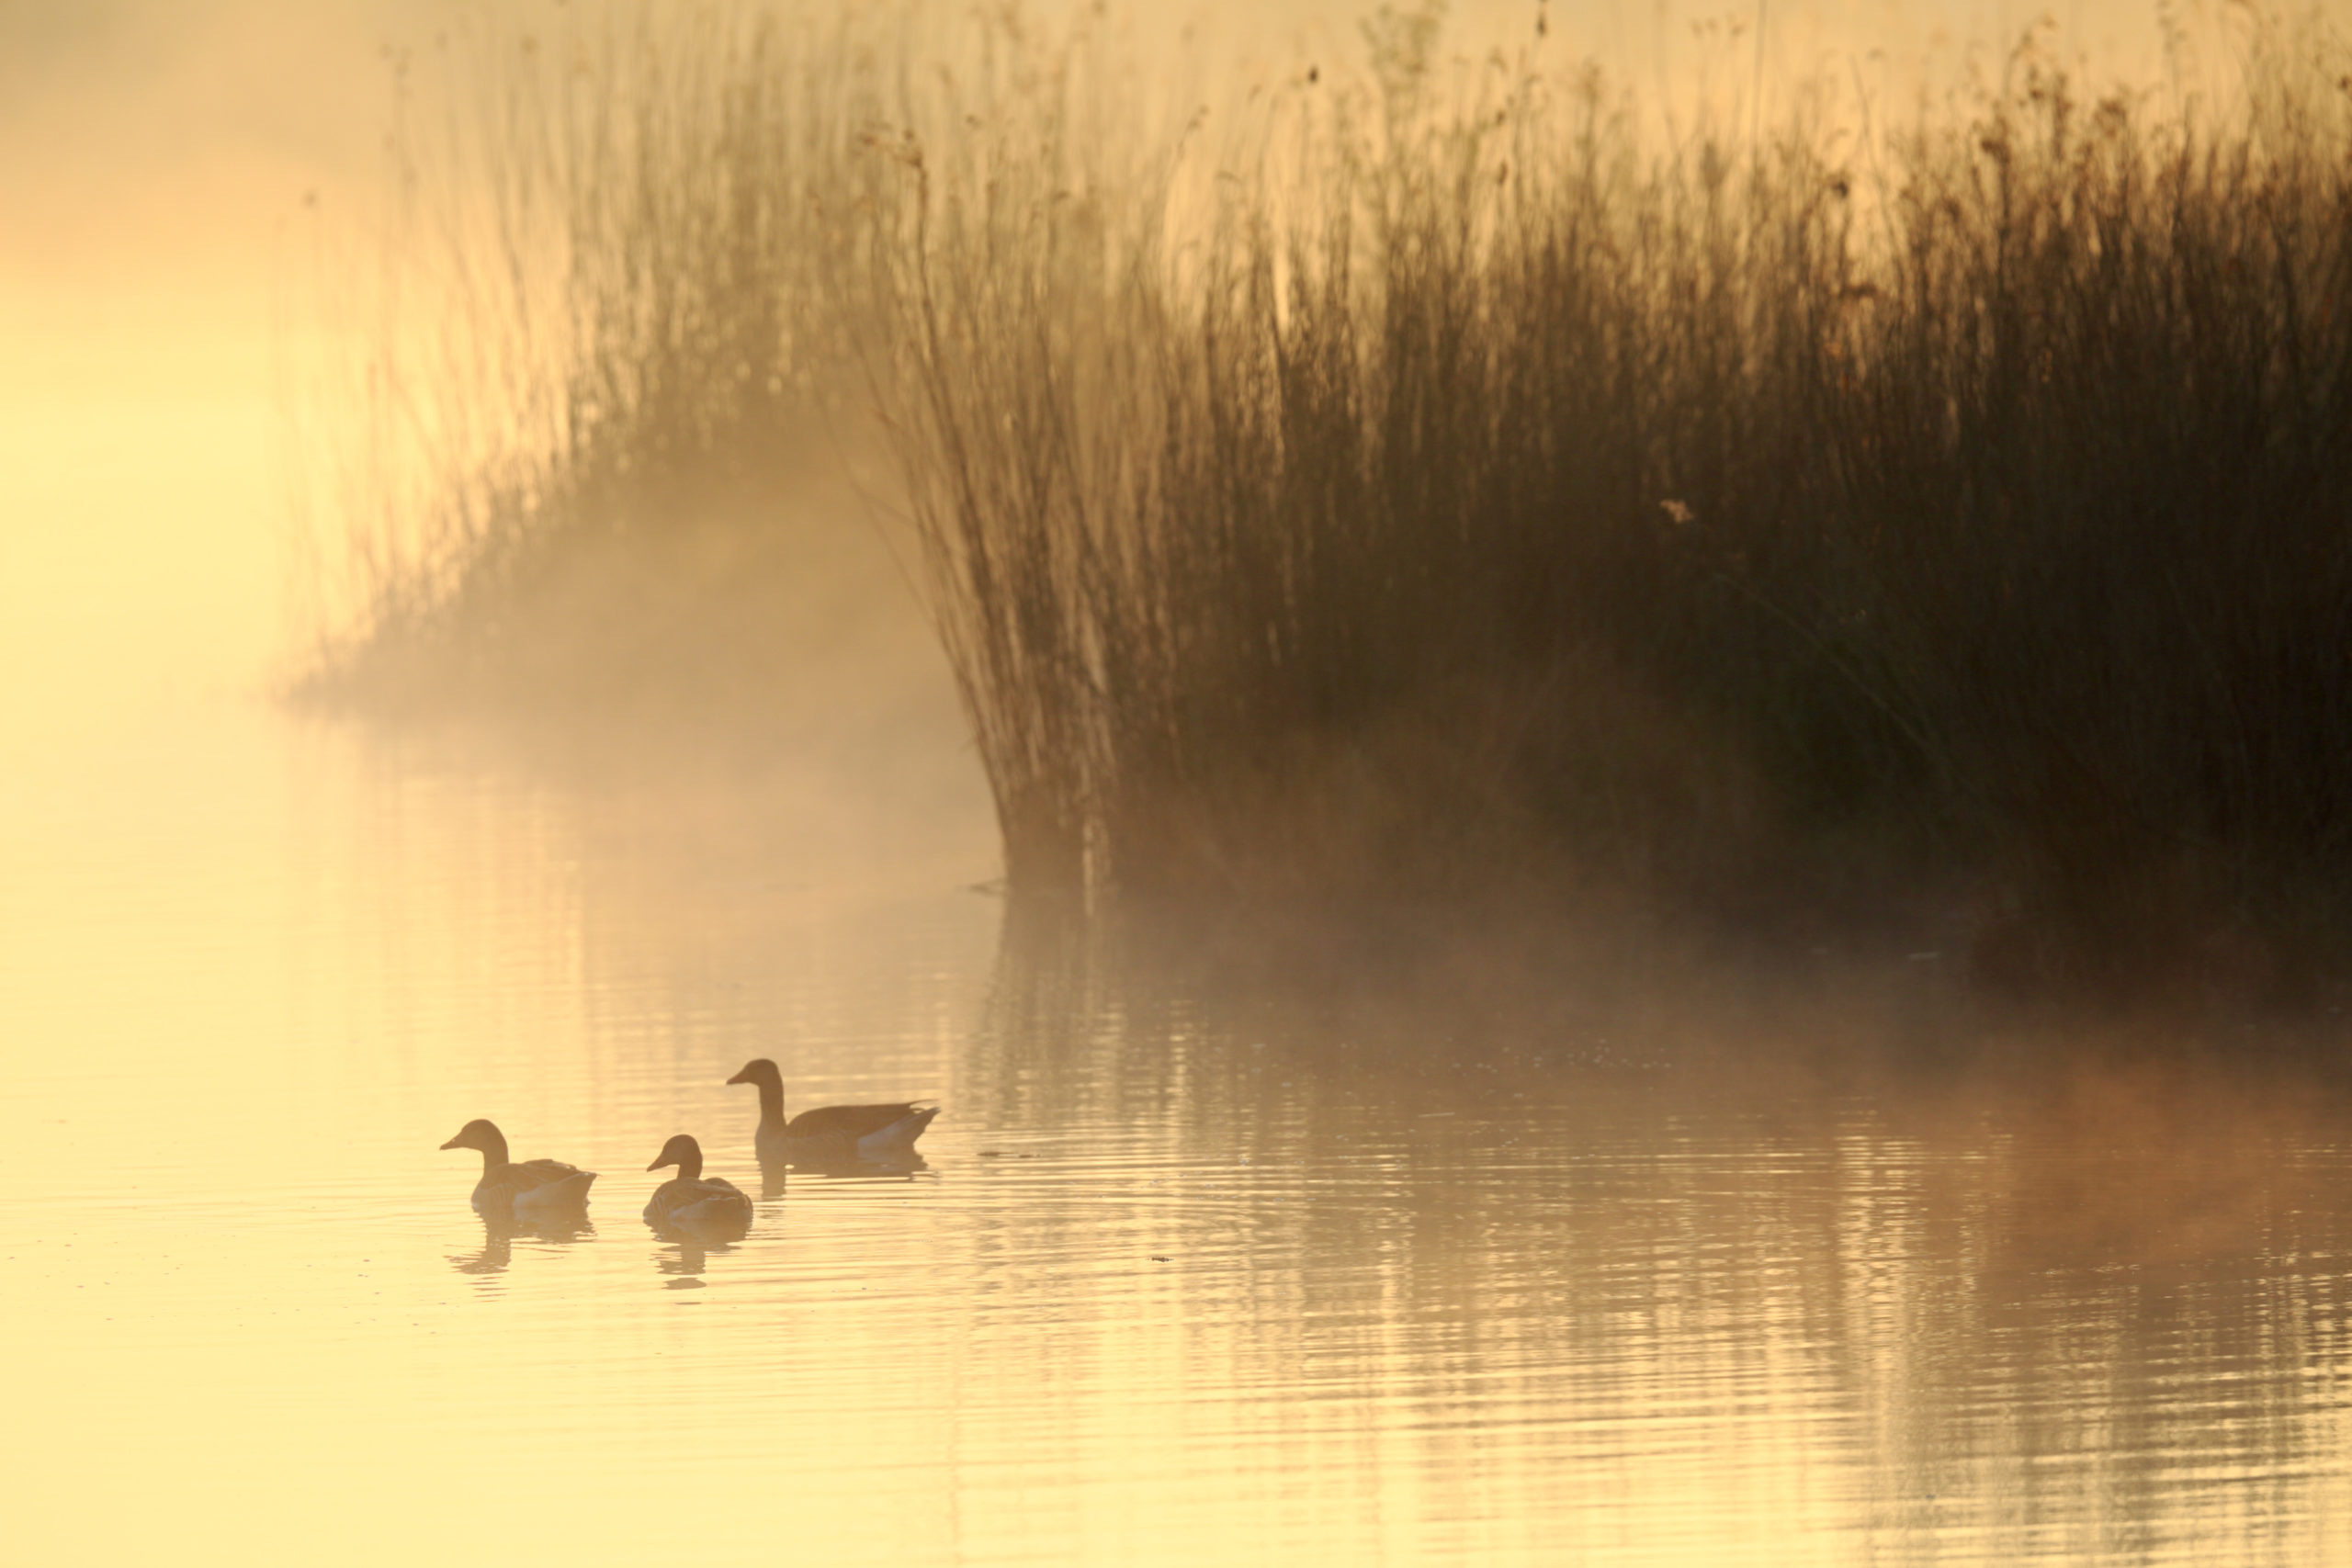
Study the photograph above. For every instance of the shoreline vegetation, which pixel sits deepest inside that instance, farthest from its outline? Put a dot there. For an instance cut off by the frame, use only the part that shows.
(1422, 482)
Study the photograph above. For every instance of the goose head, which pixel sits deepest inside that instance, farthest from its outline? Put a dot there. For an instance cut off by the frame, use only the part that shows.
(682, 1152)
(480, 1135)
(760, 1071)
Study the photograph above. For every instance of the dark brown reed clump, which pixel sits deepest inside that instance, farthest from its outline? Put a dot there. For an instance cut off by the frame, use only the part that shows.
(1426, 482)
(1480, 494)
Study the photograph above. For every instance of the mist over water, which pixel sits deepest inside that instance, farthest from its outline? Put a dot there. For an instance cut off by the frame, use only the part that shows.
(1642, 1270)
(1417, 1241)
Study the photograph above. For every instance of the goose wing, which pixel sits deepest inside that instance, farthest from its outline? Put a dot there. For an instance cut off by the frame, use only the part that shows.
(711, 1202)
(850, 1123)
(541, 1172)
(716, 1201)
(533, 1184)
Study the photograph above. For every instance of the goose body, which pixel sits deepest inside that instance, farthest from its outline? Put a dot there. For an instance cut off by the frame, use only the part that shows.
(830, 1132)
(691, 1200)
(520, 1190)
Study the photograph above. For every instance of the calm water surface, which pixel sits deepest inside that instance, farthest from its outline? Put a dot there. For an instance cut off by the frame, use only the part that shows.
(1187, 1276)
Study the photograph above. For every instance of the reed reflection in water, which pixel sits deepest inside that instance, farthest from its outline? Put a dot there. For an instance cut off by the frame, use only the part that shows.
(1626, 1266)
(1657, 1298)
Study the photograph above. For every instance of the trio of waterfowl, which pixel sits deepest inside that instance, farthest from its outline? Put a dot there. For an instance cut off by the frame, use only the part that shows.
(830, 1135)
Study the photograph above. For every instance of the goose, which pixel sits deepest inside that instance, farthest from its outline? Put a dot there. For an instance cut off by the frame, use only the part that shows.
(519, 1191)
(865, 1132)
(691, 1199)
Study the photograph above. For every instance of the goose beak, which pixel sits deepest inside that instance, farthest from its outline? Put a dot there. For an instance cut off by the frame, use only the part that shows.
(659, 1163)
(453, 1142)
(744, 1077)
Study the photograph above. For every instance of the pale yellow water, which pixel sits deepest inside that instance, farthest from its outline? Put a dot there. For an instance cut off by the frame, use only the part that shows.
(1189, 1277)
(1610, 1266)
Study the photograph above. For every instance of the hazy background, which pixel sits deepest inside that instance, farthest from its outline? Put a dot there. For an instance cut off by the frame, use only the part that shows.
(159, 167)
(1485, 1283)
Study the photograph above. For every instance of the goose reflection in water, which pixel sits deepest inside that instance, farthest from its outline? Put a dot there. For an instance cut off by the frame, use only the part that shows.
(498, 1240)
(844, 1166)
(837, 1164)
(681, 1263)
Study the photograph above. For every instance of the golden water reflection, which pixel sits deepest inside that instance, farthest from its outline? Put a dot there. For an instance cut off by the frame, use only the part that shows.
(496, 1254)
(1600, 1268)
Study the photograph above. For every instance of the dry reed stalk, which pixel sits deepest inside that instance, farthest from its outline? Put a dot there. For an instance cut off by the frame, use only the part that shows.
(1440, 477)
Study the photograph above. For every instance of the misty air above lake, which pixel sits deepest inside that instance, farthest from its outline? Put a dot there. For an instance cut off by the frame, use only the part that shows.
(1384, 784)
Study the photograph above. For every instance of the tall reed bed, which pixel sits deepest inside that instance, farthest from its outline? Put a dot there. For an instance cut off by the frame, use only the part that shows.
(1419, 475)
(623, 286)
(1481, 480)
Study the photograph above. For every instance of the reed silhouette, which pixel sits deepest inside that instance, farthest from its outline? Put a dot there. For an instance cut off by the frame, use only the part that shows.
(1438, 483)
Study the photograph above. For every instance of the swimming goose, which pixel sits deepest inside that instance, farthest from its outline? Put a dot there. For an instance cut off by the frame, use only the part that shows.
(865, 1131)
(691, 1199)
(519, 1191)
